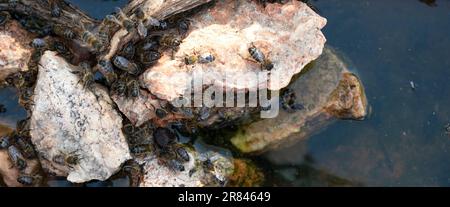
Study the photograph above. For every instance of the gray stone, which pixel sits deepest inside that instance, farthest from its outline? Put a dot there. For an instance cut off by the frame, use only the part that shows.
(72, 121)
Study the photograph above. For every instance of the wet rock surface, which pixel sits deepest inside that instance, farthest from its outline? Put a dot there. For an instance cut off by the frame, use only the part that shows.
(289, 35)
(325, 91)
(15, 51)
(76, 132)
(203, 169)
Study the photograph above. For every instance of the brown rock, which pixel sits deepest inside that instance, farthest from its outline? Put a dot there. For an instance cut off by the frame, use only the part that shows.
(15, 49)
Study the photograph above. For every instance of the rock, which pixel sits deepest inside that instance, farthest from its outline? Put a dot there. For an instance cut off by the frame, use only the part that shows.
(246, 174)
(288, 34)
(71, 121)
(326, 91)
(15, 49)
(207, 166)
(138, 110)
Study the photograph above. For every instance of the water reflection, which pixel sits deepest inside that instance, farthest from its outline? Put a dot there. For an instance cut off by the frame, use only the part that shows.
(13, 112)
(431, 3)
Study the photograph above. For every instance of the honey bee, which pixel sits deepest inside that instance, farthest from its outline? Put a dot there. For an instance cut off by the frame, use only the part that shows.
(90, 39)
(5, 142)
(125, 65)
(190, 59)
(55, 9)
(87, 75)
(133, 88)
(13, 3)
(171, 42)
(26, 147)
(259, 57)
(134, 172)
(4, 17)
(38, 43)
(119, 87)
(69, 160)
(17, 158)
(123, 20)
(107, 70)
(64, 32)
(30, 180)
(141, 149)
(26, 95)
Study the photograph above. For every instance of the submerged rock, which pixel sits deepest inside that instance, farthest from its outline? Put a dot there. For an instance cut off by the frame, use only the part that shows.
(15, 49)
(76, 131)
(192, 174)
(325, 92)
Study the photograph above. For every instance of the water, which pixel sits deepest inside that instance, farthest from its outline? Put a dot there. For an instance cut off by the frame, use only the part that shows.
(403, 142)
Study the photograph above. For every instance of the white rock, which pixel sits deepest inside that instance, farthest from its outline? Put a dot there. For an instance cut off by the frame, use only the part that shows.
(69, 119)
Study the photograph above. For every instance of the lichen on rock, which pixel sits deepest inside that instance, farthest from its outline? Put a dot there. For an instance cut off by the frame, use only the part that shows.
(69, 120)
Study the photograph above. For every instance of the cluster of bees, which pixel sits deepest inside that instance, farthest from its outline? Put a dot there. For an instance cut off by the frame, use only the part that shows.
(20, 150)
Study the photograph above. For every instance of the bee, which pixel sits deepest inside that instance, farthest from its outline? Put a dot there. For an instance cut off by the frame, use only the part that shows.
(13, 3)
(206, 58)
(147, 21)
(141, 149)
(62, 50)
(128, 51)
(160, 113)
(55, 9)
(149, 44)
(163, 138)
(133, 88)
(183, 26)
(182, 154)
(134, 172)
(125, 65)
(176, 165)
(17, 158)
(259, 57)
(23, 127)
(170, 41)
(90, 39)
(26, 95)
(123, 20)
(87, 75)
(119, 87)
(38, 43)
(29, 180)
(26, 147)
(4, 17)
(64, 32)
(4, 142)
(69, 160)
(190, 59)
(149, 57)
(107, 70)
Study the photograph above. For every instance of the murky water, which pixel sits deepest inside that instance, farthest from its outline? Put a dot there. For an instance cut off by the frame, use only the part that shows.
(391, 44)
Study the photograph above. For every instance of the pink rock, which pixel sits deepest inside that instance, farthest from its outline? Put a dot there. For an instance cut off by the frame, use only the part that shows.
(289, 35)
(15, 51)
